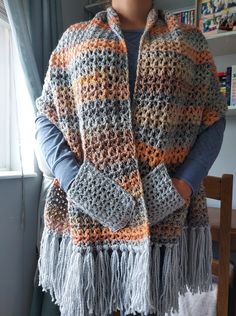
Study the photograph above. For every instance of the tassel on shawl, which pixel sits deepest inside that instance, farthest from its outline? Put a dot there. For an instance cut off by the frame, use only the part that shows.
(49, 249)
(170, 282)
(183, 261)
(61, 267)
(200, 259)
(99, 279)
(155, 277)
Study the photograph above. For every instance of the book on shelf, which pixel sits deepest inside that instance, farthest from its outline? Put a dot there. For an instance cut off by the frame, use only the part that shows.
(185, 16)
(222, 78)
(233, 86)
(228, 84)
(217, 16)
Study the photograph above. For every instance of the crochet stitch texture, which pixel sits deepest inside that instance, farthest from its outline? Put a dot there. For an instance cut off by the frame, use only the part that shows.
(101, 243)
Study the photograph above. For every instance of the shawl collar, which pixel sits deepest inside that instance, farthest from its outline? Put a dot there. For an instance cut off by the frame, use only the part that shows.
(114, 21)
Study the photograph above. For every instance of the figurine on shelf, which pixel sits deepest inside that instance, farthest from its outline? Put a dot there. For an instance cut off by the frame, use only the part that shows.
(226, 22)
(207, 7)
(209, 25)
(231, 3)
(219, 5)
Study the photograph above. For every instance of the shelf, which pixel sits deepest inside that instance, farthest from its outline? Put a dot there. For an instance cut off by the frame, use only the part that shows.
(185, 9)
(231, 111)
(222, 43)
(223, 34)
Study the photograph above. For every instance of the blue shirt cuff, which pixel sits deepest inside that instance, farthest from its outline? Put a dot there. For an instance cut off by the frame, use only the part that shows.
(66, 171)
(193, 172)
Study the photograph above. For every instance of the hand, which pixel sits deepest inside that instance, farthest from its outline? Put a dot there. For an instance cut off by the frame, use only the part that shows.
(183, 188)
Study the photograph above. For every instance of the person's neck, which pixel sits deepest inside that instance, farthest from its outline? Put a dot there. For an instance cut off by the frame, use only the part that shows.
(132, 13)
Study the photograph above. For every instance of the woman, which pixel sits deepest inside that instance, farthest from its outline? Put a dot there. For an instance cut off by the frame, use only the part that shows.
(64, 149)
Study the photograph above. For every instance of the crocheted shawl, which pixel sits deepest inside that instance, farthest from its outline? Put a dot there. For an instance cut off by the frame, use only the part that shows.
(122, 237)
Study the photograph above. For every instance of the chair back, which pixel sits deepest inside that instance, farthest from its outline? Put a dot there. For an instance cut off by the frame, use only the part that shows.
(221, 189)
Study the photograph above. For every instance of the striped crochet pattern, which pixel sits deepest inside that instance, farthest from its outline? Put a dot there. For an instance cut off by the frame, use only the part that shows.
(122, 237)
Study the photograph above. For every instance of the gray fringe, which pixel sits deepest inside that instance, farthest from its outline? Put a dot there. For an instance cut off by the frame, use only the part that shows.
(155, 276)
(200, 257)
(183, 262)
(170, 281)
(61, 267)
(99, 279)
(49, 249)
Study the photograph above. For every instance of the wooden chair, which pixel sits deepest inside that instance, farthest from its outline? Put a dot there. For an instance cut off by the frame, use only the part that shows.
(220, 188)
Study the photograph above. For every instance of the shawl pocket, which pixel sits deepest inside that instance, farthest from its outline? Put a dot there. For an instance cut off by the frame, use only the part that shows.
(161, 196)
(100, 197)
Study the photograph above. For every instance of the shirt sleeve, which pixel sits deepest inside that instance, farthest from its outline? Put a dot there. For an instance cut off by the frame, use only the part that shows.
(202, 155)
(50, 132)
(59, 158)
(206, 147)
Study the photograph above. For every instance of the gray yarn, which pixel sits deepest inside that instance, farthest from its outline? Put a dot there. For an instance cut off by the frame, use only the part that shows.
(128, 271)
(161, 196)
(100, 197)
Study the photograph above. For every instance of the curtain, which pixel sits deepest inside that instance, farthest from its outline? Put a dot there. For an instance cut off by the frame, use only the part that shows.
(36, 26)
(45, 31)
(16, 15)
(3, 13)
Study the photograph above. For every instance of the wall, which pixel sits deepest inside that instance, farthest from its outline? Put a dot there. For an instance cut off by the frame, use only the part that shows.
(17, 251)
(73, 11)
(226, 160)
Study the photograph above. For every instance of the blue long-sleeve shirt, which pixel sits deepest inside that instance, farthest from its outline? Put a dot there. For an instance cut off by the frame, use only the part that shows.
(63, 164)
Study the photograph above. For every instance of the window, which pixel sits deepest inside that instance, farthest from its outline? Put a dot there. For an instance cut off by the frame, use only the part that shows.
(16, 110)
(4, 92)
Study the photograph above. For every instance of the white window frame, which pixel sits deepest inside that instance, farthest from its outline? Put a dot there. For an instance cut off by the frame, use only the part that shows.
(16, 116)
(5, 110)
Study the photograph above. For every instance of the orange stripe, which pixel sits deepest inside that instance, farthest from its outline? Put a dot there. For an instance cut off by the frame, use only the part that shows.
(210, 117)
(64, 56)
(85, 93)
(98, 22)
(96, 79)
(139, 232)
(131, 184)
(153, 156)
